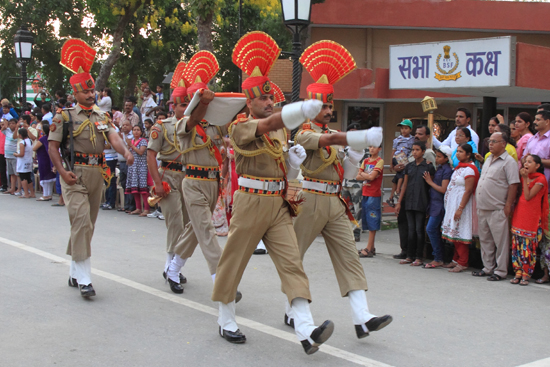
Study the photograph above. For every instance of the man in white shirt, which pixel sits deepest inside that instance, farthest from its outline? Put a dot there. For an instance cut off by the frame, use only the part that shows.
(148, 105)
(47, 112)
(462, 119)
(6, 113)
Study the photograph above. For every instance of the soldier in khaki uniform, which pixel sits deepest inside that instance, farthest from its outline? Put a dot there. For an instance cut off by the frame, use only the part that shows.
(202, 169)
(324, 211)
(84, 169)
(165, 146)
(260, 210)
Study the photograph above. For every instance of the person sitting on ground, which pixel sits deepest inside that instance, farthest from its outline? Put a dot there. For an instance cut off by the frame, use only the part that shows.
(436, 212)
(457, 223)
(402, 146)
(371, 173)
(530, 219)
(416, 193)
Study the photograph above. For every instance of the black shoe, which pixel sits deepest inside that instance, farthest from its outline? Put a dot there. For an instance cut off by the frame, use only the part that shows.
(378, 323)
(400, 256)
(235, 337)
(260, 251)
(360, 332)
(87, 290)
(183, 279)
(319, 336)
(175, 287)
(73, 282)
(289, 321)
(238, 297)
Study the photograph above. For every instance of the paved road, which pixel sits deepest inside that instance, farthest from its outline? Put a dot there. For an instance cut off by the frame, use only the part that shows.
(440, 319)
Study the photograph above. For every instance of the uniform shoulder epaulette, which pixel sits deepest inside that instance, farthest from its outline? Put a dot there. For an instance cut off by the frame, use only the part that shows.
(65, 115)
(157, 127)
(242, 117)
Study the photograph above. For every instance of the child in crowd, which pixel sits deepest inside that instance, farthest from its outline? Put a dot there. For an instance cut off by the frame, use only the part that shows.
(160, 96)
(436, 211)
(24, 164)
(417, 198)
(371, 173)
(402, 146)
(529, 219)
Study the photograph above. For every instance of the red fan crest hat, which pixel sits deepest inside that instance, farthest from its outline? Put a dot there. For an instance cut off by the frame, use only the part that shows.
(278, 94)
(327, 62)
(255, 54)
(200, 70)
(179, 84)
(78, 57)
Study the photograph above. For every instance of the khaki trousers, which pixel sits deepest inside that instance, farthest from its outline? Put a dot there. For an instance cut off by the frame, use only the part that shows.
(173, 209)
(82, 201)
(257, 217)
(200, 199)
(494, 238)
(327, 215)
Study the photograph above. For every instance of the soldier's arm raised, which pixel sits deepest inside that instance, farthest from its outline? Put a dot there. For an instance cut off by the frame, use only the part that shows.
(198, 113)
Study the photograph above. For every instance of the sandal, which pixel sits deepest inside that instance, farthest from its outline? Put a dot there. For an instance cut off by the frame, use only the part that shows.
(495, 278)
(542, 281)
(144, 213)
(480, 274)
(450, 265)
(515, 280)
(417, 263)
(433, 265)
(524, 282)
(365, 253)
(458, 269)
(405, 261)
(135, 212)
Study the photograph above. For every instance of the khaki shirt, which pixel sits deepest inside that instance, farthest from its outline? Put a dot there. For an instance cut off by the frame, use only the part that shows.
(201, 155)
(309, 139)
(497, 175)
(244, 135)
(165, 146)
(83, 142)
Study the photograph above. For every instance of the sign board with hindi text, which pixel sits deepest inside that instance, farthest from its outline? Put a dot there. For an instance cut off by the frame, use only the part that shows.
(487, 62)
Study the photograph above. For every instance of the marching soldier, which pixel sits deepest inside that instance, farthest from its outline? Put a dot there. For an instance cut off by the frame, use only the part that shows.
(324, 211)
(260, 209)
(168, 178)
(81, 132)
(202, 159)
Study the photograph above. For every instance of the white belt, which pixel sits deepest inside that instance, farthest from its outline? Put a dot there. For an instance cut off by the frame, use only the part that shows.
(323, 187)
(261, 185)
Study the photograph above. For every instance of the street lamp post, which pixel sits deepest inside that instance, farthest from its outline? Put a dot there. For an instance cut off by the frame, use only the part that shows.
(23, 42)
(296, 16)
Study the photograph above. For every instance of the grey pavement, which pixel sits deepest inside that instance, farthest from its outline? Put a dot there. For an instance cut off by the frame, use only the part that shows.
(440, 318)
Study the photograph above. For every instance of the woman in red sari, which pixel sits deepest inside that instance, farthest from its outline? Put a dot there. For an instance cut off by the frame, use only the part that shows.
(530, 218)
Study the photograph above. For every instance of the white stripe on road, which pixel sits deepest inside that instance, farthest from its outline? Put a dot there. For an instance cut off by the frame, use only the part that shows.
(540, 363)
(327, 349)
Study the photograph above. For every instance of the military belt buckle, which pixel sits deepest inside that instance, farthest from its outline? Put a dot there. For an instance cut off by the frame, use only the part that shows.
(273, 186)
(212, 174)
(93, 160)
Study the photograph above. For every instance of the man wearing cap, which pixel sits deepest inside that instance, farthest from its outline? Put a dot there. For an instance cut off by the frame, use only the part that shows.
(261, 210)
(324, 211)
(164, 146)
(81, 132)
(202, 158)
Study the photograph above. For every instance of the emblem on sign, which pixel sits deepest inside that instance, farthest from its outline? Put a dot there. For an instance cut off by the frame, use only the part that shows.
(447, 66)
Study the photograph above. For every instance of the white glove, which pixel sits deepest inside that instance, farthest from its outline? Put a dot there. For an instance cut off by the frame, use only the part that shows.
(294, 114)
(296, 156)
(362, 139)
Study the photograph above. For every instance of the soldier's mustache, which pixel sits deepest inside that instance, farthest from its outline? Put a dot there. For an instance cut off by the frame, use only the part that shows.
(328, 115)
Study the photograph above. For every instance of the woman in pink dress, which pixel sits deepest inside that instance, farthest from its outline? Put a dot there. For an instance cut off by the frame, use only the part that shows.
(525, 129)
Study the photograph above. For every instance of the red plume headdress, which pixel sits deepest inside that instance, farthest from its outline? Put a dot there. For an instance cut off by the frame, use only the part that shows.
(327, 62)
(278, 94)
(78, 57)
(255, 53)
(179, 84)
(200, 70)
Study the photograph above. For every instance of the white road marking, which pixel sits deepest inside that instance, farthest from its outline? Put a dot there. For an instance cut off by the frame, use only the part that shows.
(271, 331)
(540, 363)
